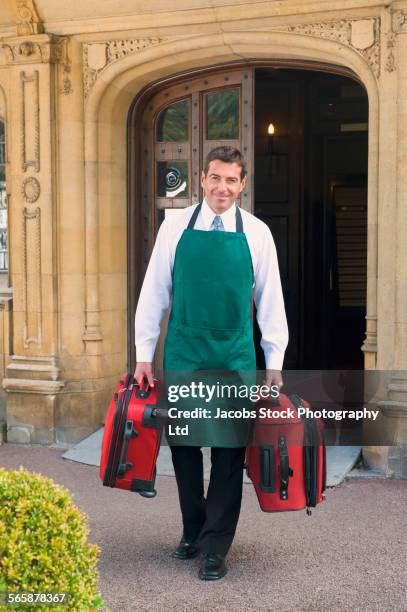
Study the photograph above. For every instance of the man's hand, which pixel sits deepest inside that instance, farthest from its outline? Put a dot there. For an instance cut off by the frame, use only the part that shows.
(273, 377)
(144, 369)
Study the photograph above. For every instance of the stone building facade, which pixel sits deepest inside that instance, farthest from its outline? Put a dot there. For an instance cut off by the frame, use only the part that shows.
(71, 77)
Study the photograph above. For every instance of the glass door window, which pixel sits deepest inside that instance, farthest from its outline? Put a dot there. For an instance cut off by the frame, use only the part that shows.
(181, 124)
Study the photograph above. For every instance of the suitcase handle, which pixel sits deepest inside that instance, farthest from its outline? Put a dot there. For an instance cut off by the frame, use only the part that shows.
(129, 432)
(267, 480)
(144, 390)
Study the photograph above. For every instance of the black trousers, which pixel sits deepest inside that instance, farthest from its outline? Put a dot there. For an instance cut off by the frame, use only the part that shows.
(212, 521)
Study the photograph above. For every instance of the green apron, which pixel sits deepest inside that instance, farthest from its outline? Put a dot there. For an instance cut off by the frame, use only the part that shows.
(210, 333)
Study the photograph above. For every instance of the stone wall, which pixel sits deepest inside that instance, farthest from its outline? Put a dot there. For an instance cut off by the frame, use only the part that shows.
(68, 86)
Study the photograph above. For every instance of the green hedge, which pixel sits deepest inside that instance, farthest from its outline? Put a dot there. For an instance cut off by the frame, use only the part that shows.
(43, 542)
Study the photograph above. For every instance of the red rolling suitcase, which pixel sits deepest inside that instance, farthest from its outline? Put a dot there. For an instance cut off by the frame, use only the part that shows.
(131, 439)
(286, 460)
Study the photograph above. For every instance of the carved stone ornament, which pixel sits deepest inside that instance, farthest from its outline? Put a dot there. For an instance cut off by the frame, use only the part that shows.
(390, 44)
(30, 121)
(31, 189)
(362, 34)
(28, 20)
(40, 48)
(65, 66)
(399, 22)
(347, 32)
(32, 285)
(97, 56)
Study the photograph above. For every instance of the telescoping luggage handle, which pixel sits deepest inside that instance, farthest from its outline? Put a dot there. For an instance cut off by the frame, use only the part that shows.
(284, 468)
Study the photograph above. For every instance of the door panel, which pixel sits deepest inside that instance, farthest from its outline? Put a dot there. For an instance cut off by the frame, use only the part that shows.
(277, 189)
(181, 124)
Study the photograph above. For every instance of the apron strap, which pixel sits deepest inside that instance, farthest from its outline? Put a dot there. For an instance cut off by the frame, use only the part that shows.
(194, 216)
(239, 221)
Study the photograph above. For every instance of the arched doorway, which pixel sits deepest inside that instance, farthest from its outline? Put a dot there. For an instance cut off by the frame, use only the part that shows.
(308, 182)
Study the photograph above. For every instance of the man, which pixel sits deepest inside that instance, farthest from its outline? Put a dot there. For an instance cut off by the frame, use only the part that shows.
(212, 259)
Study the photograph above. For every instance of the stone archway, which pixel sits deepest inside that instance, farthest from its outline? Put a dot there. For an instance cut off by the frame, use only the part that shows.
(106, 112)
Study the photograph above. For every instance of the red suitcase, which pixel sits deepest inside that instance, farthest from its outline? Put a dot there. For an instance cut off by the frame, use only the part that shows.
(131, 439)
(286, 460)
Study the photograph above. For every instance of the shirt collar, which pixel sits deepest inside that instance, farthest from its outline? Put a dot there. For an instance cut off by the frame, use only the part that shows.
(228, 217)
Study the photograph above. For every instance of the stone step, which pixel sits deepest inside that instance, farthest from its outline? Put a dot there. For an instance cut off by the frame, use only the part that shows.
(393, 408)
(365, 473)
(398, 391)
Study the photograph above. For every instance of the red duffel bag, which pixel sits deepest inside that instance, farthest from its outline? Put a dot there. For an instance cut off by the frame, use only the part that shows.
(131, 438)
(286, 460)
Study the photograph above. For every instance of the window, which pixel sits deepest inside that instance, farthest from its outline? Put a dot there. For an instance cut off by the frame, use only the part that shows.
(222, 110)
(172, 124)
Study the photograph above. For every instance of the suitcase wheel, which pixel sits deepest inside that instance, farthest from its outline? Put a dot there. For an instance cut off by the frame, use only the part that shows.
(148, 493)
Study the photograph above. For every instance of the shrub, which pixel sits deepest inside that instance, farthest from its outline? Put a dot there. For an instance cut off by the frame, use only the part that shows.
(43, 542)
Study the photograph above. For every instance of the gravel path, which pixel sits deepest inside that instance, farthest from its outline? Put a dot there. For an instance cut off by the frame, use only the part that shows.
(351, 554)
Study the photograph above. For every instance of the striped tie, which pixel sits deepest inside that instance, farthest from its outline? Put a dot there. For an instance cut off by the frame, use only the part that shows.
(217, 225)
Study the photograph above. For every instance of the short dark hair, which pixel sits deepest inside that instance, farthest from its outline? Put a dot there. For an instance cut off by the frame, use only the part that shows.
(229, 155)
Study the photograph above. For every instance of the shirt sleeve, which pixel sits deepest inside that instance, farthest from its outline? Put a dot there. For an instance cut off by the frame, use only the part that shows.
(154, 297)
(268, 297)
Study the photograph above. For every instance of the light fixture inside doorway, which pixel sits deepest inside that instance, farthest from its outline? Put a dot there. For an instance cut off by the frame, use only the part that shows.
(277, 165)
(270, 136)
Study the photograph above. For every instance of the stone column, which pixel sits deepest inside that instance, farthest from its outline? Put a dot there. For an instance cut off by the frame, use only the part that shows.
(33, 380)
(395, 406)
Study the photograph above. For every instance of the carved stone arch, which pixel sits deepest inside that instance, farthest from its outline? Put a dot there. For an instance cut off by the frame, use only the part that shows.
(106, 112)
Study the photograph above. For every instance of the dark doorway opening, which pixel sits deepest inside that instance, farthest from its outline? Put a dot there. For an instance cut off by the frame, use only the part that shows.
(310, 173)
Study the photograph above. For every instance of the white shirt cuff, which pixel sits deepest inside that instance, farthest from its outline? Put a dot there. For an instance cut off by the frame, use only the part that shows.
(274, 360)
(144, 353)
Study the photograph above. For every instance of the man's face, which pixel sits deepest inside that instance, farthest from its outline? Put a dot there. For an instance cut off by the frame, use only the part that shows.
(222, 184)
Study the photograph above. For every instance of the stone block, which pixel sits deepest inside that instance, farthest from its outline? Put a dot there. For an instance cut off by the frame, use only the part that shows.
(113, 291)
(77, 415)
(398, 460)
(71, 330)
(73, 435)
(3, 432)
(3, 400)
(35, 411)
(72, 293)
(43, 436)
(19, 434)
(376, 457)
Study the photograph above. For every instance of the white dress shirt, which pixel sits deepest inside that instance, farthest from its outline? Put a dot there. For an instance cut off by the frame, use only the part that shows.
(155, 294)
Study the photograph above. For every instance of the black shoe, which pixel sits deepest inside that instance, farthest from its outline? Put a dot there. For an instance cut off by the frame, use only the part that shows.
(185, 550)
(213, 567)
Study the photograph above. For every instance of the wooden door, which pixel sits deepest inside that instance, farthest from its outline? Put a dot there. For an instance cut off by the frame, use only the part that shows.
(180, 125)
(278, 196)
